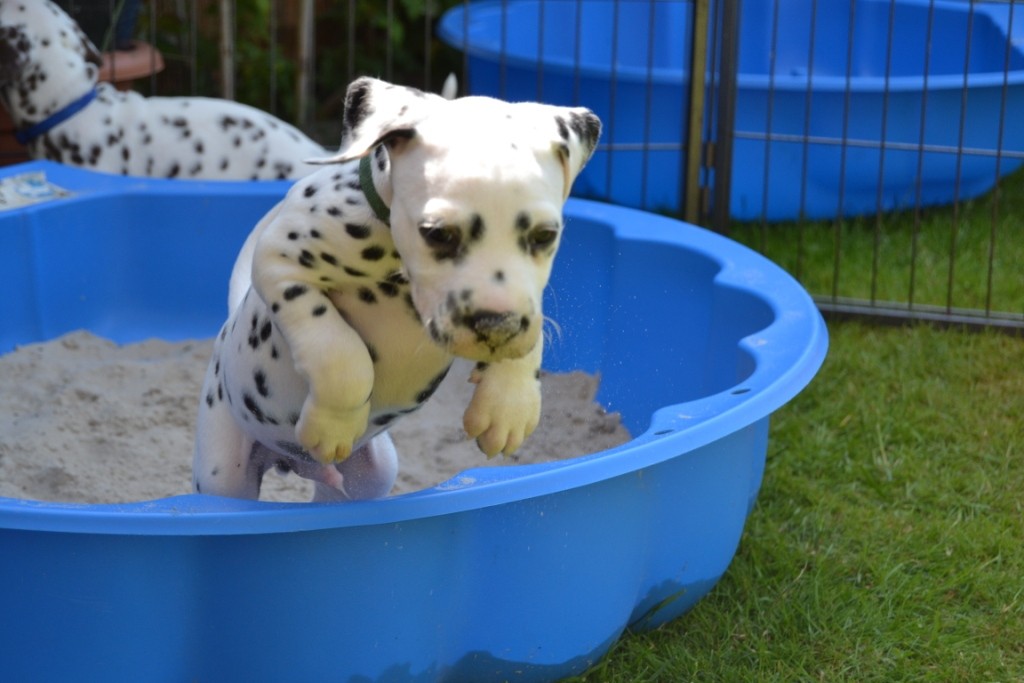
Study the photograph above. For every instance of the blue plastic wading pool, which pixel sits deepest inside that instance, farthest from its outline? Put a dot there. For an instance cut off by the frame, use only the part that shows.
(512, 573)
(625, 59)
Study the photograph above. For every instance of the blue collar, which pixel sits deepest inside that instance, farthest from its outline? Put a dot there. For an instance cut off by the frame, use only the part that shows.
(27, 135)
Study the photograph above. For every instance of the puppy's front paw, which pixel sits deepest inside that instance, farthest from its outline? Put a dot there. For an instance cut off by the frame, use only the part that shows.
(329, 434)
(504, 410)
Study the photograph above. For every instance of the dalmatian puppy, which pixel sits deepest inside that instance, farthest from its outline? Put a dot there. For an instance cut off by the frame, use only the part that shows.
(430, 235)
(48, 82)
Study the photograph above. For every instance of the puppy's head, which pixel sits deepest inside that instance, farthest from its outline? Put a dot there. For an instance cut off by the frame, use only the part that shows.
(44, 58)
(477, 187)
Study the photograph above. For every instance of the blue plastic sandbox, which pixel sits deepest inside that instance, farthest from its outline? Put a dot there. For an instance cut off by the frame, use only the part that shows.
(626, 60)
(513, 573)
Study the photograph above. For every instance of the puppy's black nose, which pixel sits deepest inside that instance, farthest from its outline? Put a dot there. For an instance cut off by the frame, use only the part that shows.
(496, 327)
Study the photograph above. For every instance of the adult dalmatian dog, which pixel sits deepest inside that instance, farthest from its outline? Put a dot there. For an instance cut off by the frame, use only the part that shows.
(430, 235)
(48, 83)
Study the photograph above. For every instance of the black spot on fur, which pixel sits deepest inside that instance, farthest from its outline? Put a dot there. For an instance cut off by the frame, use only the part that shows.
(432, 386)
(254, 408)
(476, 228)
(563, 128)
(283, 170)
(294, 292)
(412, 307)
(397, 277)
(260, 378)
(522, 221)
(254, 336)
(374, 253)
(359, 232)
(388, 289)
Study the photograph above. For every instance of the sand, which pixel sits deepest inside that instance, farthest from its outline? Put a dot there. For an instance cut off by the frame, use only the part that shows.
(83, 419)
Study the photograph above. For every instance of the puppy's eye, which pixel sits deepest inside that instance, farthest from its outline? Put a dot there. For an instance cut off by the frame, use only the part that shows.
(440, 236)
(542, 236)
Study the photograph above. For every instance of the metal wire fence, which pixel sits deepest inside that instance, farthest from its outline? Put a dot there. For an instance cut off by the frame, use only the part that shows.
(909, 144)
(872, 147)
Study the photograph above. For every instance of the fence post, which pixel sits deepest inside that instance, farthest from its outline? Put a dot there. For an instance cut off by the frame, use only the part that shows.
(227, 49)
(695, 116)
(725, 123)
(307, 49)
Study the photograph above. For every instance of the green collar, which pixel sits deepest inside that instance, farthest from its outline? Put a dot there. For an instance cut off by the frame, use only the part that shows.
(380, 209)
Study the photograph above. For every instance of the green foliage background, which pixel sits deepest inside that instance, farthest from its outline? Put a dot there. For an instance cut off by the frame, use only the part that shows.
(390, 39)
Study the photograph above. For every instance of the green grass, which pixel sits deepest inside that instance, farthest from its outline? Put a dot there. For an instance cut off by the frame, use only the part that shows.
(907, 256)
(888, 540)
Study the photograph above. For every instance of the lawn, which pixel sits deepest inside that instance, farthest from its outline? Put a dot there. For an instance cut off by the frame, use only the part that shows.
(936, 256)
(888, 540)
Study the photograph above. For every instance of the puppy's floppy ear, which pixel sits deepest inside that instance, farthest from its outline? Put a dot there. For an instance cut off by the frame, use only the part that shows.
(378, 112)
(578, 132)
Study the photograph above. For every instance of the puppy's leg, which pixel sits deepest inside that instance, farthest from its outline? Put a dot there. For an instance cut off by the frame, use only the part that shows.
(370, 472)
(223, 463)
(327, 352)
(505, 408)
